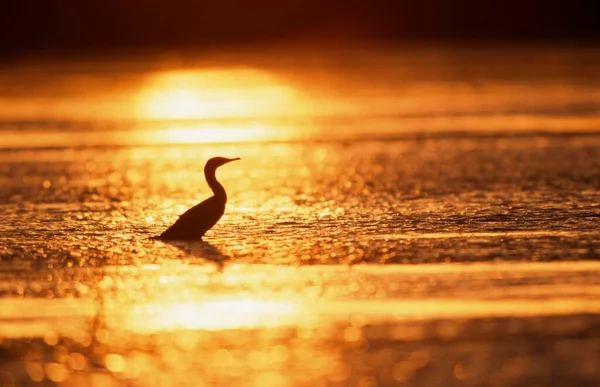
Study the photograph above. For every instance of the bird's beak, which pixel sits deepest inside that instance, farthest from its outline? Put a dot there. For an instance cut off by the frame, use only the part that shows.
(230, 160)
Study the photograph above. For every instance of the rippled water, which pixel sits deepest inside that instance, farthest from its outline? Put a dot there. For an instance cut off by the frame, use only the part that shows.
(473, 199)
(439, 160)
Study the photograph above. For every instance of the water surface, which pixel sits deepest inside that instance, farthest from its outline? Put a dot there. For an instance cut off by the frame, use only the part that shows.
(423, 216)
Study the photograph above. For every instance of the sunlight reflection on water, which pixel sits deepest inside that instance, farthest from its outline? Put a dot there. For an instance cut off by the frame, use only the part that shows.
(345, 172)
(215, 93)
(212, 314)
(233, 330)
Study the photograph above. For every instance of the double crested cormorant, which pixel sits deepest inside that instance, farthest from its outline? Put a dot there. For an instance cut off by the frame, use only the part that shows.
(195, 222)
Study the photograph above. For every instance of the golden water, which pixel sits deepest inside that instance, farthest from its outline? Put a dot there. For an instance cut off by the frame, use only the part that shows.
(426, 217)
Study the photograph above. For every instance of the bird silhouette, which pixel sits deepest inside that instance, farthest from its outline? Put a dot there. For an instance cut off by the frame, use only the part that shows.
(195, 222)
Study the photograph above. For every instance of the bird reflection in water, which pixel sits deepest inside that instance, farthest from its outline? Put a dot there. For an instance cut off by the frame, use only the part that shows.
(201, 249)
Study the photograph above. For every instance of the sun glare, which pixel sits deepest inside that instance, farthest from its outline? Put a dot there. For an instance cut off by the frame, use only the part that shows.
(194, 134)
(216, 93)
(211, 314)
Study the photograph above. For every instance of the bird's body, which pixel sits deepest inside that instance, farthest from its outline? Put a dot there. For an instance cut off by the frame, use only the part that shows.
(195, 222)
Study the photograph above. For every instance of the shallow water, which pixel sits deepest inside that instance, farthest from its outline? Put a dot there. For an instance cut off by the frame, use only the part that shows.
(483, 171)
(378, 201)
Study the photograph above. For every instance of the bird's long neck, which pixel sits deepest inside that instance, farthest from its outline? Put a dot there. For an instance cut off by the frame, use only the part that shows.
(216, 187)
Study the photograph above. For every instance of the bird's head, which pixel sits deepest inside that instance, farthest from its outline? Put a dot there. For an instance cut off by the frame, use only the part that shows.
(216, 162)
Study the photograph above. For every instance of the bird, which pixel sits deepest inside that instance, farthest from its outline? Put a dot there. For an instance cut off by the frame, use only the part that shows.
(195, 222)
